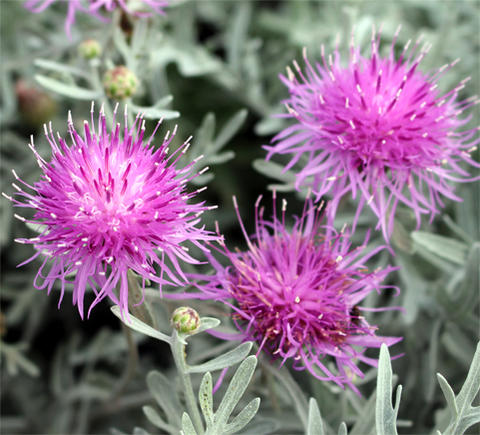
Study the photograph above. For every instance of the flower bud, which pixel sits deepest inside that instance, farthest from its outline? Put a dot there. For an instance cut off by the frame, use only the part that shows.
(120, 83)
(90, 49)
(185, 320)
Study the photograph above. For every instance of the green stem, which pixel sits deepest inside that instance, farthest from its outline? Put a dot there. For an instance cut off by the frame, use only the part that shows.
(178, 351)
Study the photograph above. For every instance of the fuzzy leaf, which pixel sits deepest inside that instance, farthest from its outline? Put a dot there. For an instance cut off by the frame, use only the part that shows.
(314, 425)
(163, 392)
(226, 360)
(464, 298)
(58, 67)
(238, 34)
(205, 133)
(137, 325)
(466, 414)
(207, 323)
(386, 415)
(243, 418)
(342, 429)
(472, 384)
(154, 113)
(155, 419)
(235, 390)
(219, 158)
(230, 129)
(187, 425)
(71, 91)
(273, 170)
(449, 395)
(443, 247)
(157, 111)
(205, 398)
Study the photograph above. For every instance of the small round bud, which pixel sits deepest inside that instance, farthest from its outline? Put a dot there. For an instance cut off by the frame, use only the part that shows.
(185, 320)
(120, 83)
(90, 49)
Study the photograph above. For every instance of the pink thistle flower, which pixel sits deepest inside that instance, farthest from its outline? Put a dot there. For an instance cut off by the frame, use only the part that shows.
(93, 7)
(377, 129)
(74, 6)
(108, 203)
(297, 294)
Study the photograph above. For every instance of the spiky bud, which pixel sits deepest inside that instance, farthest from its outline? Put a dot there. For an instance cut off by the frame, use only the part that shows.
(120, 83)
(185, 320)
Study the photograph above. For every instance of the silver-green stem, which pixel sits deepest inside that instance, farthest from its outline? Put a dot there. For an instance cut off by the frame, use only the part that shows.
(178, 351)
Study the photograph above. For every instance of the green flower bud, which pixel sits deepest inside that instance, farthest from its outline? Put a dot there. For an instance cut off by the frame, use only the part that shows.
(185, 320)
(90, 49)
(120, 83)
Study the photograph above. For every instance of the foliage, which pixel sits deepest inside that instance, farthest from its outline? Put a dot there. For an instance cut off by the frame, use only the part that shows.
(212, 67)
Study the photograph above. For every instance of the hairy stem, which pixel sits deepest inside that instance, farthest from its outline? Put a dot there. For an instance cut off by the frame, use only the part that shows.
(178, 351)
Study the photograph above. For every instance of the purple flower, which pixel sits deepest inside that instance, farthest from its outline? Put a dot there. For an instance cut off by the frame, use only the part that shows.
(108, 203)
(93, 7)
(297, 294)
(377, 129)
(74, 6)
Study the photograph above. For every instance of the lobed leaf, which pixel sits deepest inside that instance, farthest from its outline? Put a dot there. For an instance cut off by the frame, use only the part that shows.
(385, 414)
(243, 418)
(235, 390)
(463, 414)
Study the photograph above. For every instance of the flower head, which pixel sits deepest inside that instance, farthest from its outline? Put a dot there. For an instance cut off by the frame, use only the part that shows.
(377, 128)
(297, 294)
(90, 49)
(108, 203)
(120, 82)
(94, 8)
(185, 320)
